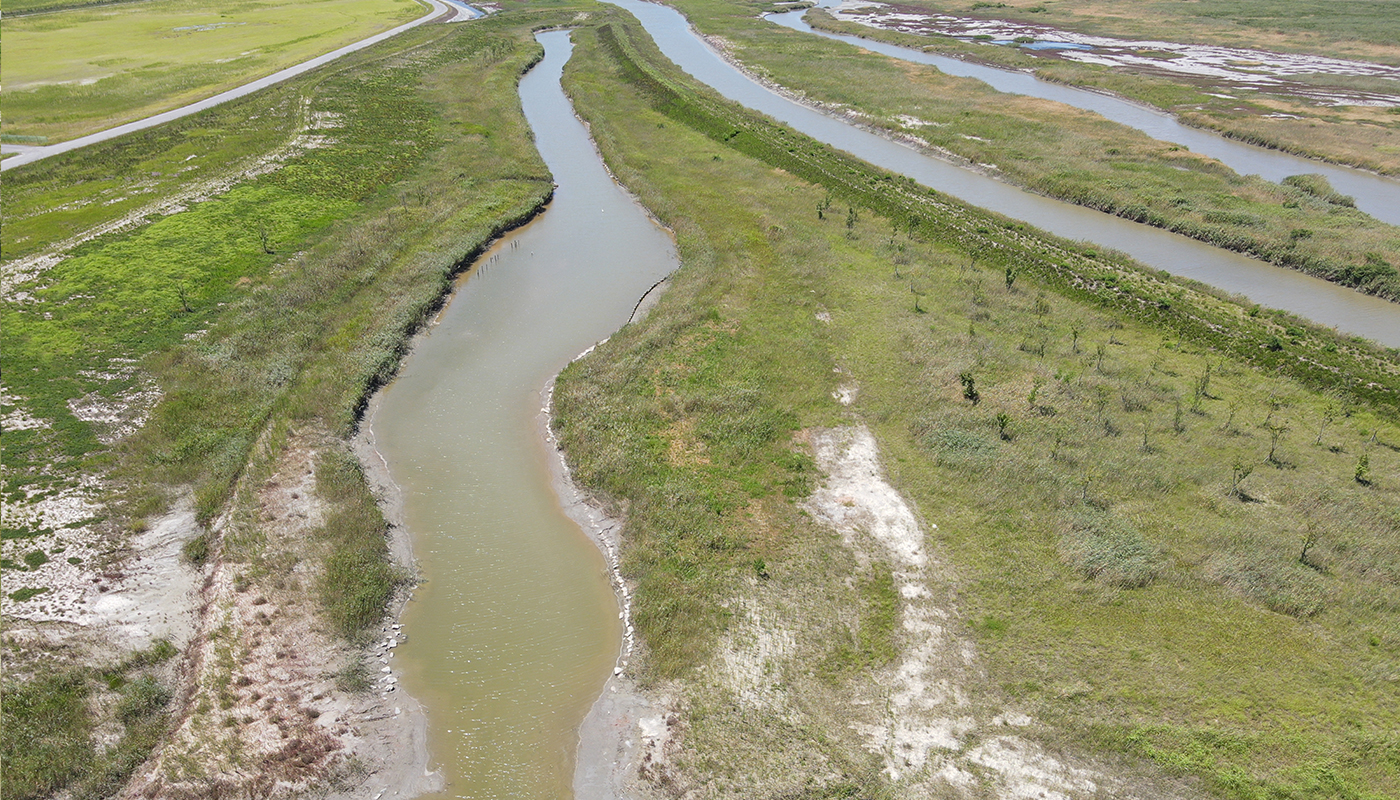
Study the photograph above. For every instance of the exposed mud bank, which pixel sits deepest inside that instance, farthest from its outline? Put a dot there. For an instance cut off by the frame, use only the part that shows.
(626, 727)
(393, 741)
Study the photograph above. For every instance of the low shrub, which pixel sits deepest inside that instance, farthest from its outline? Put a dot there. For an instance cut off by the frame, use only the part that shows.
(1281, 584)
(1105, 548)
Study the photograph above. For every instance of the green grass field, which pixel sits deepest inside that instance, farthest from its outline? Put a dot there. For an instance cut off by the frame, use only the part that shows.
(1125, 581)
(73, 72)
(276, 305)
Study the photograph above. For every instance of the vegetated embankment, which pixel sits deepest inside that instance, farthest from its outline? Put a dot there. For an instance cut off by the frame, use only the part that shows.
(216, 419)
(1070, 154)
(923, 503)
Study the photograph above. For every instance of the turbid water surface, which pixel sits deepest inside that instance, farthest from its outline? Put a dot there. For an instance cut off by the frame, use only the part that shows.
(515, 631)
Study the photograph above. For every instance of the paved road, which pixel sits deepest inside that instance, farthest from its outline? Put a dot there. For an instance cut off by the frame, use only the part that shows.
(438, 10)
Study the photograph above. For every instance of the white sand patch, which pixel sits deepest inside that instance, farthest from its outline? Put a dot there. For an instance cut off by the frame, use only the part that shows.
(914, 122)
(1030, 773)
(926, 730)
(154, 597)
(117, 417)
(855, 496)
(18, 418)
(133, 602)
(324, 120)
(845, 394)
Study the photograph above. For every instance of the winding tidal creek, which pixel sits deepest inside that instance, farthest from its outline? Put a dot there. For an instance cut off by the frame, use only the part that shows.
(1270, 286)
(516, 629)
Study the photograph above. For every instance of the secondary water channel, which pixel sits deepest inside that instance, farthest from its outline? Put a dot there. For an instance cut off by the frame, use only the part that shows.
(1270, 286)
(516, 630)
(1375, 194)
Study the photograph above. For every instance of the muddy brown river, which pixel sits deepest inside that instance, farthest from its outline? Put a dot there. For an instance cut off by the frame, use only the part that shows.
(515, 631)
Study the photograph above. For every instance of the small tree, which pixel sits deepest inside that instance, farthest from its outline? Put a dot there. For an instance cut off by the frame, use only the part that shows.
(1238, 472)
(182, 292)
(1201, 390)
(1003, 419)
(1276, 433)
(1101, 397)
(1329, 414)
(1010, 277)
(1309, 541)
(1229, 424)
(1363, 470)
(969, 387)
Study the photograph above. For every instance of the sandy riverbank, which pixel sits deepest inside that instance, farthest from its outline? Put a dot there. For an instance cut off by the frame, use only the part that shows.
(393, 726)
(626, 727)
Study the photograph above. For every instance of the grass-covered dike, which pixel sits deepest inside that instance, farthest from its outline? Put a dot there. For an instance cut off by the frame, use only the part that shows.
(1171, 544)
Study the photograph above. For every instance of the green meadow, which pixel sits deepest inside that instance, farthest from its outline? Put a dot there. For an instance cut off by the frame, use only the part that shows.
(65, 78)
(1175, 556)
